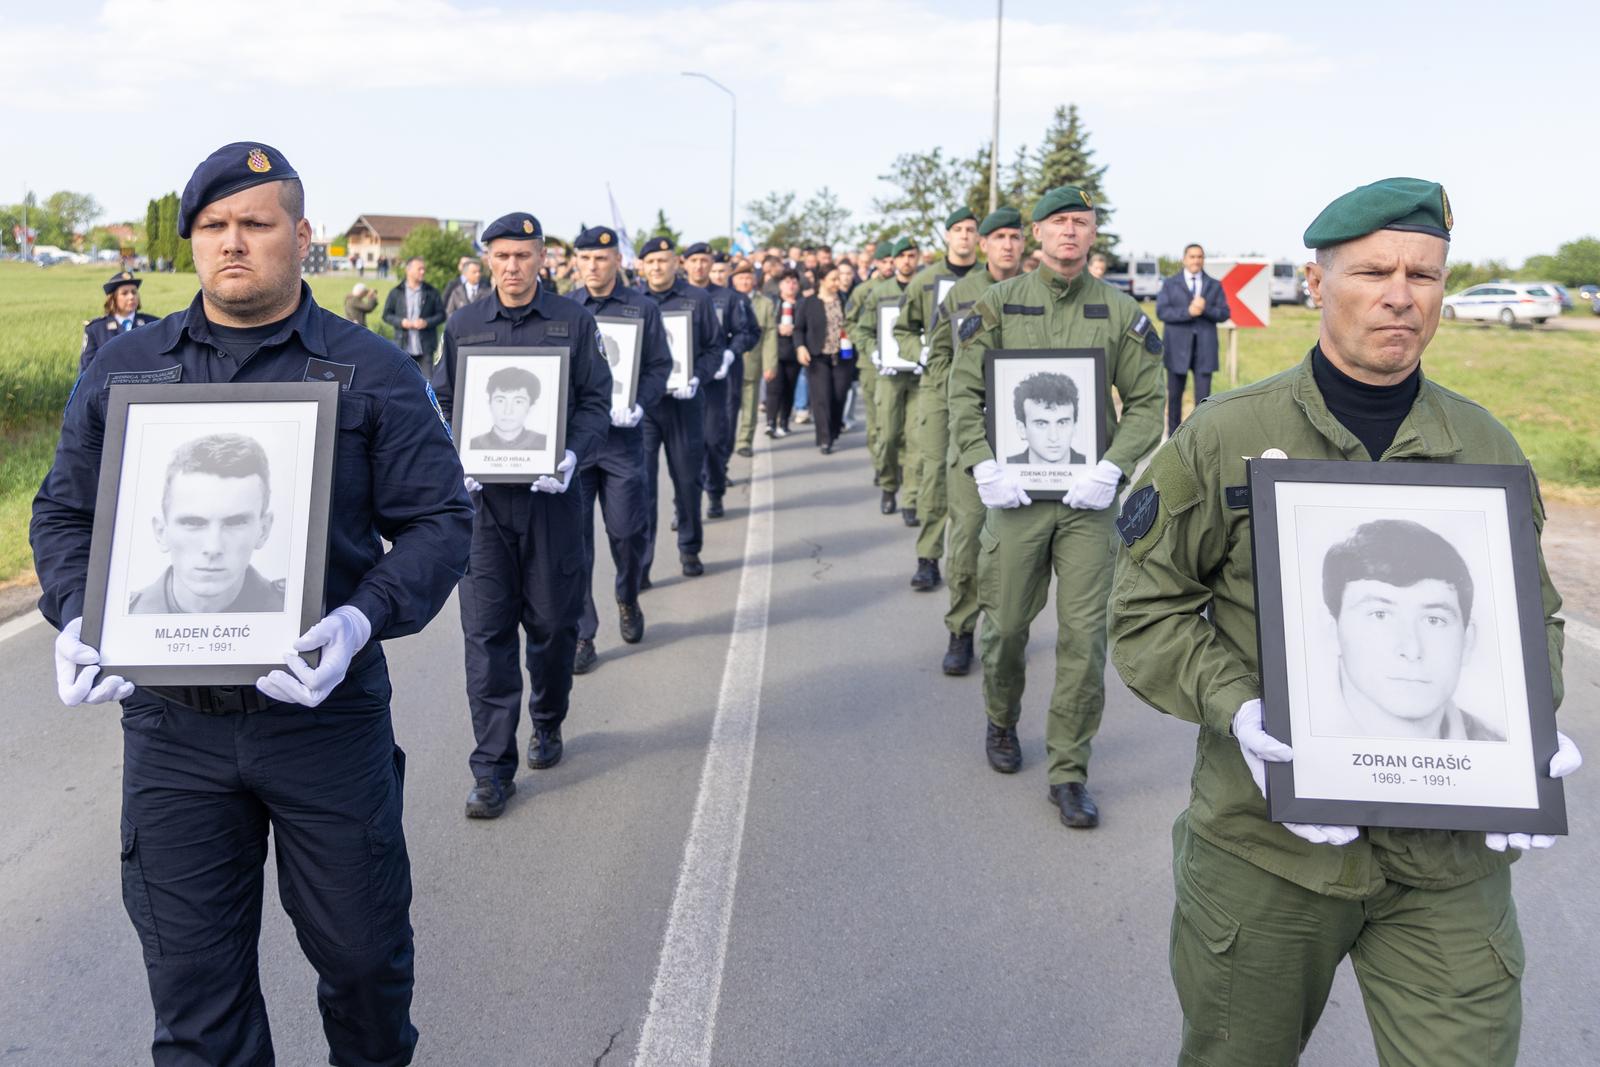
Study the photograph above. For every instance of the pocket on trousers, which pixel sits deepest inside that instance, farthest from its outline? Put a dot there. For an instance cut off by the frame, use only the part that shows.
(136, 893)
(1202, 956)
(1507, 943)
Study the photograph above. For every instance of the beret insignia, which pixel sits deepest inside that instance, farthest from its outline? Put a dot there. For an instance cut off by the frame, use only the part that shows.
(527, 227)
(257, 161)
(1444, 202)
(605, 238)
(1086, 201)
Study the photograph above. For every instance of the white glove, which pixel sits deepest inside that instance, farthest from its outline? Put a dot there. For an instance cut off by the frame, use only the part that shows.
(628, 419)
(1256, 745)
(546, 484)
(472, 484)
(887, 372)
(1096, 490)
(998, 487)
(917, 370)
(922, 359)
(340, 636)
(687, 392)
(727, 361)
(77, 687)
(1566, 760)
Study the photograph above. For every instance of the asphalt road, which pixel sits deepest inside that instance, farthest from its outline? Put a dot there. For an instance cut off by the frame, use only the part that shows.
(896, 902)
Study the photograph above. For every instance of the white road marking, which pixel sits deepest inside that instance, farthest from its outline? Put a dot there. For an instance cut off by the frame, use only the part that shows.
(21, 624)
(682, 1018)
(1584, 634)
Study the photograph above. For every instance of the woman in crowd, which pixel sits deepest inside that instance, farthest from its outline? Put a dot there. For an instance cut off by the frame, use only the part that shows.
(782, 377)
(824, 350)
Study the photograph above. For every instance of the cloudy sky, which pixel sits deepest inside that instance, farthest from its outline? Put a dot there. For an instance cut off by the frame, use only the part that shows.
(1231, 124)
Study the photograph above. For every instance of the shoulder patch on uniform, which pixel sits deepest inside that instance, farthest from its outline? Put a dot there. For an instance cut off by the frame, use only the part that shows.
(433, 398)
(1141, 326)
(1170, 474)
(970, 327)
(165, 376)
(1021, 309)
(1097, 311)
(1138, 514)
(1152, 343)
(599, 343)
(1141, 330)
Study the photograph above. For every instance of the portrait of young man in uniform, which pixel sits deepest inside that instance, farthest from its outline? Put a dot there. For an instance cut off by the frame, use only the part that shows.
(215, 515)
(1046, 407)
(1400, 599)
(513, 391)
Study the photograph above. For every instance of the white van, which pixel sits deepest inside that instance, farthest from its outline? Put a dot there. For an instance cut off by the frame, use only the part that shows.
(1144, 277)
(1284, 288)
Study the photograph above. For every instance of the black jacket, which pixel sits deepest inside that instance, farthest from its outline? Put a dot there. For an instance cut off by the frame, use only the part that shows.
(811, 327)
(432, 309)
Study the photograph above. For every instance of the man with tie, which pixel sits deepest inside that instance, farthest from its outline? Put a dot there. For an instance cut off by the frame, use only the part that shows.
(122, 314)
(1191, 303)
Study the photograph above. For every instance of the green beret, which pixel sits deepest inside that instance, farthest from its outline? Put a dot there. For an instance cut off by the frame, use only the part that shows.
(1062, 198)
(905, 244)
(1001, 218)
(1393, 204)
(885, 249)
(960, 214)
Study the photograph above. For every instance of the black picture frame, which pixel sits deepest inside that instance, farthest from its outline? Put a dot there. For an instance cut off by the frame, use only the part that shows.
(1409, 767)
(109, 509)
(471, 362)
(608, 325)
(679, 326)
(1085, 363)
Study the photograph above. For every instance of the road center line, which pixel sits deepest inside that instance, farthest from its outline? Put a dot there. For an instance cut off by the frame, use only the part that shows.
(682, 1017)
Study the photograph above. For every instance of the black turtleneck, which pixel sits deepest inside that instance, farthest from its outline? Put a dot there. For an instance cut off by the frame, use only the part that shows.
(958, 270)
(241, 342)
(1372, 412)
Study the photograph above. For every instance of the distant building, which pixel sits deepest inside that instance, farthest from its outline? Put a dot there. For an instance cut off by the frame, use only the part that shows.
(372, 237)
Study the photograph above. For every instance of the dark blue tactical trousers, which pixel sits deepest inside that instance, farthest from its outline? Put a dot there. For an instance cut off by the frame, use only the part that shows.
(680, 426)
(525, 568)
(721, 423)
(199, 794)
(618, 479)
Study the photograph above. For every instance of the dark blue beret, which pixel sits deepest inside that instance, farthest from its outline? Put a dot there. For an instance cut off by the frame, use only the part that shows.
(119, 279)
(230, 169)
(596, 237)
(719, 257)
(699, 248)
(517, 226)
(656, 244)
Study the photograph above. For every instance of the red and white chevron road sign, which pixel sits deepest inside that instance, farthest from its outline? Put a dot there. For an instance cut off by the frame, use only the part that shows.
(1247, 283)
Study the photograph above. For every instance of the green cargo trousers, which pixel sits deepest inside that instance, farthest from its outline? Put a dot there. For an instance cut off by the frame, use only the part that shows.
(932, 429)
(965, 514)
(867, 389)
(1253, 956)
(1018, 549)
(749, 402)
(897, 455)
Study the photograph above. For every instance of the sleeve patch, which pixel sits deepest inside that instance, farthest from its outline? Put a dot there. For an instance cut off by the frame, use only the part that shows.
(1138, 514)
(970, 326)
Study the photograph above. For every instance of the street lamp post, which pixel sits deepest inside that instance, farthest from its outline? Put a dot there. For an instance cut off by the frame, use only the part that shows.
(994, 137)
(733, 143)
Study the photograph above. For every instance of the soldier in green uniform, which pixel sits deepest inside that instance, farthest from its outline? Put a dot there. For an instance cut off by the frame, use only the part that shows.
(1001, 236)
(862, 315)
(1056, 306)
(930, 427)
(1266, 911)
(896, 395)
(743, 280)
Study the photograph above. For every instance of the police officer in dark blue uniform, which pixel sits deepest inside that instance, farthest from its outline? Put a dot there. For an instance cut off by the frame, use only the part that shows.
(208, 770)
(678, 421)
(122, 314)
(618, 479)
(736, 321)
(527, 541)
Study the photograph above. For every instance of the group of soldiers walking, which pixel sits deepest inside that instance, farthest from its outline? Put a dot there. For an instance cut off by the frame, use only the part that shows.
(1265, 911)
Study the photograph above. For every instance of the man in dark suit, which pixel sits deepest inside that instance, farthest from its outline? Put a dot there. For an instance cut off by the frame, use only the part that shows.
(1046, 407)
(1191, 304)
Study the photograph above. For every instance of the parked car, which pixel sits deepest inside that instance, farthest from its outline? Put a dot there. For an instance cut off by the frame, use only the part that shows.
(1285, 285)
(1508, 302)
(1560, 292)
(1589, 292)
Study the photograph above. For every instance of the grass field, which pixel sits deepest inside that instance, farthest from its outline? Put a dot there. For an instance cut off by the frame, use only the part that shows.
(1544, 384)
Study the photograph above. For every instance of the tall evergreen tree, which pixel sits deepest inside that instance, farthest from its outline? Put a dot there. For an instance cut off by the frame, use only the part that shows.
(152, 229)
(1065, 158)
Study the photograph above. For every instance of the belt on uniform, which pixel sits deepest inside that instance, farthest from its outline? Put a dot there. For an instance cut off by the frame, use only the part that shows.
(213, 699)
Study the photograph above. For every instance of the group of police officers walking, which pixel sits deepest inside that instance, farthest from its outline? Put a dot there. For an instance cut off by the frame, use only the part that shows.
(1265, 911)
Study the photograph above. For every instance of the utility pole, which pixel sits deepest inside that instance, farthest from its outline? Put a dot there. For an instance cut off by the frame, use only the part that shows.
(994, 136)
(733, 144)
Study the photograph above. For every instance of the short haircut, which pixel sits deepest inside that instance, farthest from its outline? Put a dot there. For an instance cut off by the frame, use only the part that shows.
(510, 379)
(1397, 552)
(416, 259)
(825, 248)
(1190, 245)
(292, 197)
(225, 455)
(786, 275)
(1047, 388)
(1101, 256)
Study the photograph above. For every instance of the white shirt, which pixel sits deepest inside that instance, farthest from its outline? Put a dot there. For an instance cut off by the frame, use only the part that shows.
(1193, 282)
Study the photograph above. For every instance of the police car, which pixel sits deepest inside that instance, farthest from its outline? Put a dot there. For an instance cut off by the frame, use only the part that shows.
(1509, 302)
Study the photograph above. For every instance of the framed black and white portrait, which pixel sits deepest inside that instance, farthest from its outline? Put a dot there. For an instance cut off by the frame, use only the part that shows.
(1403, 646)
(942, 287)
(624, 341)
(680, 335)
(888, 347)
(1046, 415)
(210, 541)
(510, 413)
